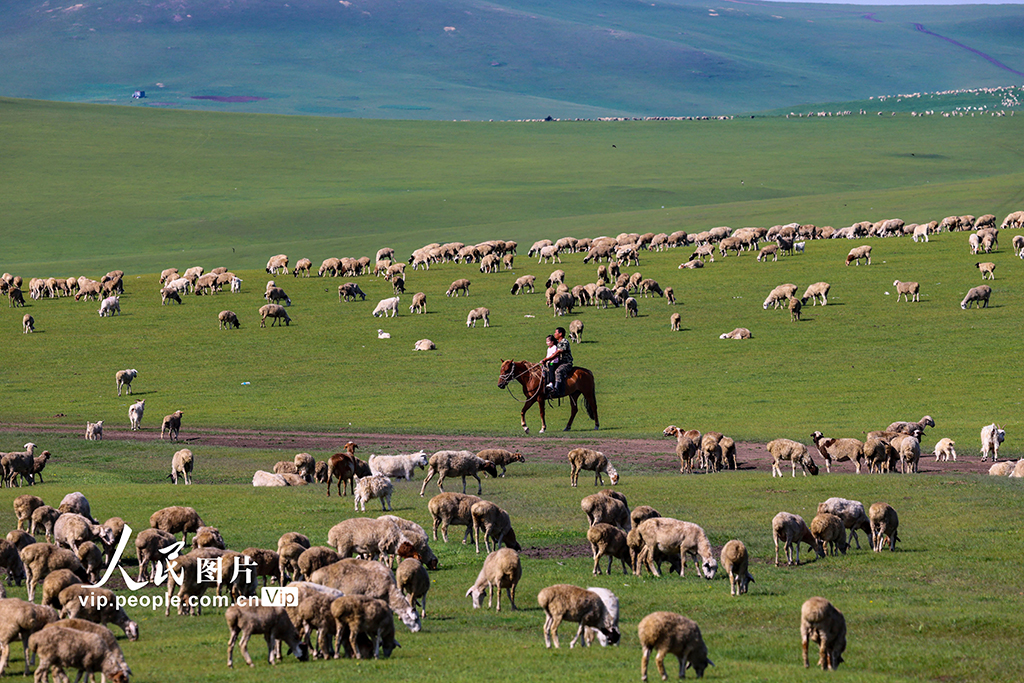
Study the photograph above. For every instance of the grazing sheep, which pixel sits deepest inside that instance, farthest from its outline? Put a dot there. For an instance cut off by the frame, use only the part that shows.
(71, 529)
(944, 450)
(858, 253)
(987, 269)
(171, 424)
(208, 537)
(794, 309)
(276, 312)
(979, 294)
(182, 463)
(671, 633)
(479, 314)
(272, 622)
(94, 431)
(414, 543)
(414, 582)
(452, 508)
(572, 603)
(24, 506)
(20, 620)
(460, 285)
(349, 291)
(227, 320)
(109, 305)
(851, 512)
(631, 308)
(40, 559)
(90, 648)
(54, 583)
(778, 295)
(829, 532)
(98, 605)
(821, 622)
(884, 524)
(768, 250)
(607, 540)
(909, 450)
(303, 266)
(135, 412)
(795, 452)
(386, 305)
(991, 436)
(176, 518)
(419, 303)
(501, 569)
(576, 331)
(375, 486)
(500, 457)
(738, 333)
(368, 577)
(587, 459)
(78, 504)
(19, 464)
(495, 524)
(603, 508)
(675, 538)
(912, 428)
(526, 282)
(277, 264)
(19, 539)
(10, 560)
(43, 518)
(375, 539)
(314, 612)
(362, 615)
(735, 562)
(148, 544)
(792, 531)
(910, 291)
(816, 291)
(457, 464)
(839, 450)
(28, 324)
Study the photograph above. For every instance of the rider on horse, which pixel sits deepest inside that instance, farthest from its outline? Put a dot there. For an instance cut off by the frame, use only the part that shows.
(561, 359)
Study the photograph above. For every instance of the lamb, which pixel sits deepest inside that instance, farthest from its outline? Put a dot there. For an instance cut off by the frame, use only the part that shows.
(70, 529)
(135, 412)
(587, 459)
(526, 282)
(44, 518)
(419, 303)
(829, 532)
(907, 290)
(572, 603)
(884, 524)
(912, 428)
(944, 450)
(675, 322)
(227, 320)
(276, 312)
(735, 562)
(24, 506)
(98, 605)
(602, 508)
(795, 452)
(457, 464)
(28, 324)
(607, 540)
(987, 269)
(20, 619)
(738, 333)
(148, 545)
(991, 436)
(858, 253)
(375, 486)
(1002, 469)
(671, 633)
(821, 622)
(851, 512)
(176, 518)
(424, 345)
(479, 314)
(452, 508)
(979, 294)
(813, 292)
(501, 569)
(414, 582)
(500, 457)
(910, 454)
(182, 463)
(771, 250)
(362, 615)
(366, 577)
(792, 531)
(277, 264)
(839, 450)
(42, 558)
(778, 295)
(109, 305)
(10, 560)
(171, 424)
(673, 537)
(460, 285)
(495, 524)
(94, 431)
(794, 309)
(272, 622)
(631, 308)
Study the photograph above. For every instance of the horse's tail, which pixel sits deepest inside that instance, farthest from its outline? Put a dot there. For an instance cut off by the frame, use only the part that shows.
(590, 399)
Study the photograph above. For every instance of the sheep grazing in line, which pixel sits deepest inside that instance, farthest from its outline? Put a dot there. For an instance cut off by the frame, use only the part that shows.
(829, 532)
(795, 452)
(419, 303)
(500, 457)
(175, 519)
(360, 615)
(821, 622)
(495, 525)
(671, 633)
(501, 569)
(839, 450)
(375, 486)
(182, 464)
(565, 602)
(979, 295)
(276, 312)
(792, 531)
(98, 605)
(277, 264)
(398, 466)
(779, 295)
(675, 538)
(987, 269)
(94, 431)
(735, 561)
(272, 622)
(607, 540)
(944, 450)
(28, 324)
(991, 436)
(524, 283)
(171, 424)
(851, 512)
(135, 412)
(303, 266)
(479, 314)
(227, 320)
(794, 309)
(884, 524)
(913, 428)
(738, 333)
(457, 464)
(109, 306)
(576, 331)
(370, 578)
(385, 306)
(595, 461)
(452, 508)
(414, 582)
(110, 648)
(910, 291)
(604, 508)
(858, 253)
(460, 285)
(816, 291)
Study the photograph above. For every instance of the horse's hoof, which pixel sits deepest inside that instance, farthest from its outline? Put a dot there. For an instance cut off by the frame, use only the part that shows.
(566, 429)
(526, 430)
(541, 430)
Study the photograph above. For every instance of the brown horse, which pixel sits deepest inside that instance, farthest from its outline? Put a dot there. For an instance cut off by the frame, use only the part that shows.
(580, 382)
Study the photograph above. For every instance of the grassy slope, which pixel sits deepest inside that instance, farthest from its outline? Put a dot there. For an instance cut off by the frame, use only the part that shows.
(514, 59)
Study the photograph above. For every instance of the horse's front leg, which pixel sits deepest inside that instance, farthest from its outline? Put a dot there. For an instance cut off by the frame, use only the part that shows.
(522, 415)
(572, 412)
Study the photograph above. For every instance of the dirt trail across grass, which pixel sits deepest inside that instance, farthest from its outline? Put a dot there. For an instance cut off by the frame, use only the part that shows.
(654, 454)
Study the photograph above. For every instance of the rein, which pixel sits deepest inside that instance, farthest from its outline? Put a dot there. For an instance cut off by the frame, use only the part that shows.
(513, 376)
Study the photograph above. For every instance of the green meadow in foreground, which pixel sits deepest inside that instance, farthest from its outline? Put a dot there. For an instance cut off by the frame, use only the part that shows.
(941, 607)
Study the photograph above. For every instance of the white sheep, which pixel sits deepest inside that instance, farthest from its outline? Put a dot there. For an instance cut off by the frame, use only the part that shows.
(479, 314)
(384, 306)
(277, 264)
(858, 253)
(572, 603)
(911, 291)
(587, 459)
(851, 512)
(816, 291)
(664, 536)
(979, 295)
(374, 486)
(738, 333)
(28, 324)
(779, 295)
(735, 561)
(1002, 469)
(94, 431)
(671, 633)
(991, 436)
(109, 306)
(1018, 470)
(182, 463)
(398, 466)
(821, 622)
(135, 412)
(944, 450)
(424, 345)
(501, 569)
(236, 285)
(795, 452)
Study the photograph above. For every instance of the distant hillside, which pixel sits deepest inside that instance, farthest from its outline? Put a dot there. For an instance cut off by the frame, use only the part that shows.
(507, 59)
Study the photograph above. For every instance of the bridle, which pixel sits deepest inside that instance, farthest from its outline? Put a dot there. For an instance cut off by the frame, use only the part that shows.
(506, 377)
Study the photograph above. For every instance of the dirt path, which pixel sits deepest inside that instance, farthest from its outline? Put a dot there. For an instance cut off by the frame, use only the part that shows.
(656, 453)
